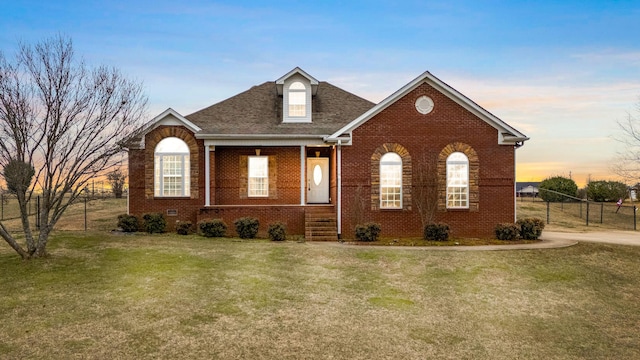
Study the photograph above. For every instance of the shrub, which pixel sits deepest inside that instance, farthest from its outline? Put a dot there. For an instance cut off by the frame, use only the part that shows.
(436, 232)
(277, 231)
(367, 232)
(247, 227)
(128, 223)
(562, 187)
(507, 231)
(530, 228)
(212, 228)
(184, 227)
(154, 223)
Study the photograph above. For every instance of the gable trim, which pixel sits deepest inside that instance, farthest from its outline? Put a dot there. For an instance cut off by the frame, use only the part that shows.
(162, 119)
(506, 133)
(313, 81)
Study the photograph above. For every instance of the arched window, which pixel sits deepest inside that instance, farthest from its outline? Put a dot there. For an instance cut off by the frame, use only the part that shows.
(390, 181)
(171, 168)
(297, 99)
(457, 181)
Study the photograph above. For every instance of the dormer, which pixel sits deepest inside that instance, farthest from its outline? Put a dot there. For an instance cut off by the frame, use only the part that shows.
(297, 89)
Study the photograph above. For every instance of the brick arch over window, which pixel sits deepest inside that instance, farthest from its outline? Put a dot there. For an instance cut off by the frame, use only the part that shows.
(406, 174)
(474, 175)
(153, 138)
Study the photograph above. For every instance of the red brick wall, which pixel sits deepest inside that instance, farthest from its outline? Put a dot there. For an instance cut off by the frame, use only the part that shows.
(428, 134)
(228, 176)
(141, 199)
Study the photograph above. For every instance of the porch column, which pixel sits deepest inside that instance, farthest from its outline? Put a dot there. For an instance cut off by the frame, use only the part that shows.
(303, 182)
(339, 184)
(207, 180)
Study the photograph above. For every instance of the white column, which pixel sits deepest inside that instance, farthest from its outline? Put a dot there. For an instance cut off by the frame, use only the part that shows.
(207, 180)
(339, 184)
(303, 182)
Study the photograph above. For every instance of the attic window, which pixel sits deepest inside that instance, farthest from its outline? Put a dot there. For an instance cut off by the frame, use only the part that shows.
(297, 100)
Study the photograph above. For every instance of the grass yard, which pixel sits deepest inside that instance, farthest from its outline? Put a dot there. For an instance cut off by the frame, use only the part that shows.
(106, 296)
(109, 296)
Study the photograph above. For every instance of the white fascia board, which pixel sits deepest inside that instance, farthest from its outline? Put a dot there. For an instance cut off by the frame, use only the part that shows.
(157, 121)
(261, 140)
(312, 81)
(162, 119)
(297, 70)
(448, 91)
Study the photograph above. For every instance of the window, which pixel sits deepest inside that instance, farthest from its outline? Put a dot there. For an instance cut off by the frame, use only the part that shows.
(391, 181)
(258, 176)
(171, 168)
(297, 100)
(457, 181)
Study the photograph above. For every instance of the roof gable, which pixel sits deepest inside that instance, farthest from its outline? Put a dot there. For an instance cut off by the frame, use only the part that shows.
(506, 133)
(297, 71)
(168, 117)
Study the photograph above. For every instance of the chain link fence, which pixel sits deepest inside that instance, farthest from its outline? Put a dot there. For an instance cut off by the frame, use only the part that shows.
(623, 216)
(86, 213)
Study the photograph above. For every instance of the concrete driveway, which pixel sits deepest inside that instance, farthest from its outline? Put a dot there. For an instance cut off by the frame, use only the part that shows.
(607, 237)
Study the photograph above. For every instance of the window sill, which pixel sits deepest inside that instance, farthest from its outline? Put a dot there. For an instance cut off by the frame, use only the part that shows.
(171, 197)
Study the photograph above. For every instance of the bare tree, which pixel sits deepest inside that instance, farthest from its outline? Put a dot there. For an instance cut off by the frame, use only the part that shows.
(116, 179)
(425, 194)
(65, 120)
(627, 164)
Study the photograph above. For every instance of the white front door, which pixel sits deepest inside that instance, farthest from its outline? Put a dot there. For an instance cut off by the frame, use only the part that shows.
(318, 180)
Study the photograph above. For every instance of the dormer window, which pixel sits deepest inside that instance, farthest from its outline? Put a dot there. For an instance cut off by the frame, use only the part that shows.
(297, 88)
(297, 100)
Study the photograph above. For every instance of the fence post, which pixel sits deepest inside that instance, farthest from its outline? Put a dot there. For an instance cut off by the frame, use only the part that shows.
(547, 212)
(581, 210)
(85, 213)
(587, 213)
(601, 211)
(634, 217)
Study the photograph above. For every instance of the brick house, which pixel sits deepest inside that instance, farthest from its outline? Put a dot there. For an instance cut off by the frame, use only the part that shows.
(321, 160)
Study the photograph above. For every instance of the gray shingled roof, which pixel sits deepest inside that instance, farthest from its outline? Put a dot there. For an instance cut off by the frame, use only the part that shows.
(259, 111)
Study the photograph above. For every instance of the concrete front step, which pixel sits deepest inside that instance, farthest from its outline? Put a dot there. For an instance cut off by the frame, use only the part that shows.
(321, 224)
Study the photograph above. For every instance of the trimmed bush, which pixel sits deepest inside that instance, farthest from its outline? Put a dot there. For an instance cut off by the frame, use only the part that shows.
(367, 232)
(530, 228)
(184, 227)
(247, 227)
(154, 223)
(436, 232)
(212, 228)
(128, 223)
(507, 231)
(277, 231)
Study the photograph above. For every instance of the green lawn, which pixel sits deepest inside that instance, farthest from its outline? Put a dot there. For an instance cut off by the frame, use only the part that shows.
(170, 297)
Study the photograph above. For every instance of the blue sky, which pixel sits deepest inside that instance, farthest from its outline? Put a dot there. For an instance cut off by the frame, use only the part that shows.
(562, 72)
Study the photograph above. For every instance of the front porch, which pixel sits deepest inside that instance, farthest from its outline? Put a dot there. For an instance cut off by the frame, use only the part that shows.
(316, 222)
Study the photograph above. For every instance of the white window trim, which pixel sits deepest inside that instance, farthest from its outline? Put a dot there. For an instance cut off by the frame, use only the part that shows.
(397, 163)
(466, 192)
(159, 176)
(266, 178)
(288, 91)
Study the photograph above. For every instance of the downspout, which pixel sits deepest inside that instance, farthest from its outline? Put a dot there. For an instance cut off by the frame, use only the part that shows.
(339, 163)
(515, 174)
